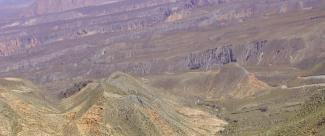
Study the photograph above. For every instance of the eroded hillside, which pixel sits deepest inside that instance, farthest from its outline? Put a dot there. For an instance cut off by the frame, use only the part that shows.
(119, 105)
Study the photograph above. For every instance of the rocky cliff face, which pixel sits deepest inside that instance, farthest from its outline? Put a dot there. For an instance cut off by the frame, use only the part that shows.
(8, 47)
(275, 52)
(210, 58)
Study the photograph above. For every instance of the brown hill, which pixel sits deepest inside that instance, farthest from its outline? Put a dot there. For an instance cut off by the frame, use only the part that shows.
(119, 105)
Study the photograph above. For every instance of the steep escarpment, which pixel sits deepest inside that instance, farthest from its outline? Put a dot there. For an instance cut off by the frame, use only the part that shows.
(210, 57)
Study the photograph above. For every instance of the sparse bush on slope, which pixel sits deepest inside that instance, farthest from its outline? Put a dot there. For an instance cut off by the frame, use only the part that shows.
(309, 121)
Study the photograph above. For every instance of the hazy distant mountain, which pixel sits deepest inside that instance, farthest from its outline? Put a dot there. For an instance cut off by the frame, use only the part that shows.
(10, 9)
(14, 3)
(40, 7)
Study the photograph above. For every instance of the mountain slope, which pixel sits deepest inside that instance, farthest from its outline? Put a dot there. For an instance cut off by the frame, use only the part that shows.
(120, 105)
(310, 119)
(207, 67)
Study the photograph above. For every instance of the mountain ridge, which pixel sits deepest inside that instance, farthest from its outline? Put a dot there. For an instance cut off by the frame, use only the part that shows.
(99, 108)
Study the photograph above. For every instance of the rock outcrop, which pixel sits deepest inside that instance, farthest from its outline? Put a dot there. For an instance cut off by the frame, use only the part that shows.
(9, 47)
(210, 58)
(275, 52)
